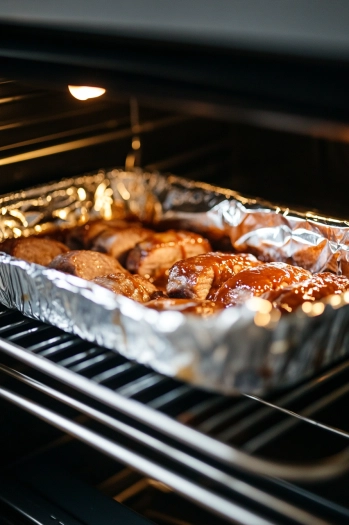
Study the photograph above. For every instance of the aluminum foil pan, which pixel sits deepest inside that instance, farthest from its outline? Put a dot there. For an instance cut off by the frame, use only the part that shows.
(248, 349)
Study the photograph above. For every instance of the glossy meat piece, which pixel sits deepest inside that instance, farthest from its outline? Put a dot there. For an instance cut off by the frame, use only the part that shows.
(83, 236)
(313, 289)
(257, 281)
(86, 264)
(118, 242)
(186, 306)
(199, 277)
(34, 249)
(133, 286)
(152, 257)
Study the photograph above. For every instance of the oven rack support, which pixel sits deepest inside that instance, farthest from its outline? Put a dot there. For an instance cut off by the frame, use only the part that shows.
(183, 482)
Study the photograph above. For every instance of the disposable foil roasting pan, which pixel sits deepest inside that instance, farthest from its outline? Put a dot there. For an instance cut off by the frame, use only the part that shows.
(242, 349)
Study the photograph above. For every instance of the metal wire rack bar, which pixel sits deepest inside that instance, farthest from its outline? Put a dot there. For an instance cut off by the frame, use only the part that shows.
(314, 471)
(150, 468)
(210, 501)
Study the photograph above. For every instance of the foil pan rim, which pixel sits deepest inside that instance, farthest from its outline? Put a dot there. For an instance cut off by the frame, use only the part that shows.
(228, 352)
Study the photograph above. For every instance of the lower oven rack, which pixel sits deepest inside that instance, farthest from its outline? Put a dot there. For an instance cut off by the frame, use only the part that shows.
(140, 433)
(178, 482)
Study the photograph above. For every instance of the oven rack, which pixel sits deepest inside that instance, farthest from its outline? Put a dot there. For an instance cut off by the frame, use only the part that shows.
(55, 134)
(137, 417)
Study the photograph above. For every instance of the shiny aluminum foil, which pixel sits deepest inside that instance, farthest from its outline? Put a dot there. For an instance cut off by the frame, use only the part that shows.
(248, 349)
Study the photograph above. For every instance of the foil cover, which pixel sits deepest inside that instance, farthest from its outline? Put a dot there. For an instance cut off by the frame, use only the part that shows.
(249, 349)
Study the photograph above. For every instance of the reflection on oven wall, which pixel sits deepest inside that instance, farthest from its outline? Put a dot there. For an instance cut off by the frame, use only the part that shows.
(47, 135)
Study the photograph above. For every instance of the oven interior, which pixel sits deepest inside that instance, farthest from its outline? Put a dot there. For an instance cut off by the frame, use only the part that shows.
(83, 429)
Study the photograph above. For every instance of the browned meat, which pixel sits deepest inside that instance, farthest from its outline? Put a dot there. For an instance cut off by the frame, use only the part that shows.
(86, 264)
(257, 281)
(83, 236)
(152, 257)
(34, 249)
(199, 277)
(118, 242)
(186, 306)
(133, 286)
(317, 287)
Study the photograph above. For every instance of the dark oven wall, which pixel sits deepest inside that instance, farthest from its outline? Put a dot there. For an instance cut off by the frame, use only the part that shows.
(47, 135)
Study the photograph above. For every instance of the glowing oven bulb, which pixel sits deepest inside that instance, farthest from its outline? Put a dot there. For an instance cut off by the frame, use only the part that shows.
(86, 92)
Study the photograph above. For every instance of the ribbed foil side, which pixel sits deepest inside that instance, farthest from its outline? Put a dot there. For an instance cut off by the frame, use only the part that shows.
(249, 348)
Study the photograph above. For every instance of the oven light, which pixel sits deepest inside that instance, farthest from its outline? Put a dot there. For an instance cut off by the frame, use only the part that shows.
(136, 143)
(86, 92)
